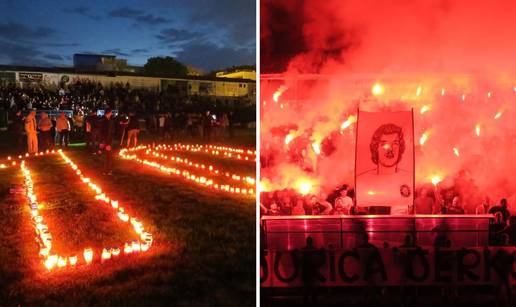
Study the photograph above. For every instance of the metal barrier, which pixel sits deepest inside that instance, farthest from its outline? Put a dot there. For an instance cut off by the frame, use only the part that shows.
(290, 232)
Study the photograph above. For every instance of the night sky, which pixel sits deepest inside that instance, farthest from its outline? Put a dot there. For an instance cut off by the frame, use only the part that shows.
(209, 35)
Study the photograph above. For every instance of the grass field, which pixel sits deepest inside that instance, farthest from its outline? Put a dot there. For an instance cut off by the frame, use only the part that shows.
(203, 255)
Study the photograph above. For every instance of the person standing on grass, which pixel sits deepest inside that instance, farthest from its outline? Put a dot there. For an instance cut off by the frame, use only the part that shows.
(91, 130)
(32, 134)
(207, 126)
(18, 126)
(107, 131)
(78, 123)
(45, 126)
(224, 123)
(63, 127)
(133, 128)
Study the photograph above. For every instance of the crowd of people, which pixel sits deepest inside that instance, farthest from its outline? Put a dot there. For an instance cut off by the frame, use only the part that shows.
(70, 113)
(341, 201)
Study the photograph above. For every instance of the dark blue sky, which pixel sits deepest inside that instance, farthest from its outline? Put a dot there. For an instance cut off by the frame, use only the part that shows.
(209, 34)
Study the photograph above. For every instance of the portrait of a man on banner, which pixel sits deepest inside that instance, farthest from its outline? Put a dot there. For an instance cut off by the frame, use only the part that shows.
(384, 171)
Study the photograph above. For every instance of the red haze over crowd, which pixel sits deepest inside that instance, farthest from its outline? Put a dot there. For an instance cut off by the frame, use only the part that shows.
(451, 61)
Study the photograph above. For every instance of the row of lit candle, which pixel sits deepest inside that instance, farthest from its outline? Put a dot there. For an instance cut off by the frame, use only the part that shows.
(11, 161)
(52, 261)
(201, 180)
(226, 152)
(249, 180)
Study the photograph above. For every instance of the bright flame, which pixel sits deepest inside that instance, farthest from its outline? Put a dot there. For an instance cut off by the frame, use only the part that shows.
(424, 109)
(278, 93)
(304, 187)
(442, 92)
(477, 129)
(418, 91)
(289, 138)
(316, 148)
(498, 115)
(262, 187)
(371, 192)
(488, 94)
(377, 89)
(463, 97)
(348, 122)
(456, 151)
(436, 179)
(423, 138)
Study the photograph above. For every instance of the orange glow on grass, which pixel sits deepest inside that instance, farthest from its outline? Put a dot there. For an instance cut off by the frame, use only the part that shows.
(41, 229)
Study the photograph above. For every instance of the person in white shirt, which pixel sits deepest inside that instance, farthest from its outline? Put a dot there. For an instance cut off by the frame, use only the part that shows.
(63, 127)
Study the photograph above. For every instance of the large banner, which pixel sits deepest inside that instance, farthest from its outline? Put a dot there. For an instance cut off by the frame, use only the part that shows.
(384, 160)
(30, 77)
(387, 266)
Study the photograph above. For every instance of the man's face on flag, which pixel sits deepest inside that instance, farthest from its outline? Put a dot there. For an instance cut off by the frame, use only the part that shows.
(389, 149)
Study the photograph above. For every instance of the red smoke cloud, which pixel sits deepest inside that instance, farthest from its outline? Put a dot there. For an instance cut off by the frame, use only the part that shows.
(451, 59)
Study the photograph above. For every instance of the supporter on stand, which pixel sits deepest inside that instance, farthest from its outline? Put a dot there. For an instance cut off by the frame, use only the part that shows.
(317, 206)
(299, 208)
(502, 208)
(455, 207)
(423, 204)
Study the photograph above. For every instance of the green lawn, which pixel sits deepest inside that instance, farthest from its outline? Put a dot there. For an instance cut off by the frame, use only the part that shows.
(204, 251)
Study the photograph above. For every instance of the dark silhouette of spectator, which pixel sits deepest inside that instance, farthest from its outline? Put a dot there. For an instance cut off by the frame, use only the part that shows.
(91, 130)
(231, 119)
(511, 230)
(496, 229)
(409, 294)
(311, 260)
(408, 242)
(502, 208)
(18, 128)
(441, 237)
(107, 131)
(207, 126)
